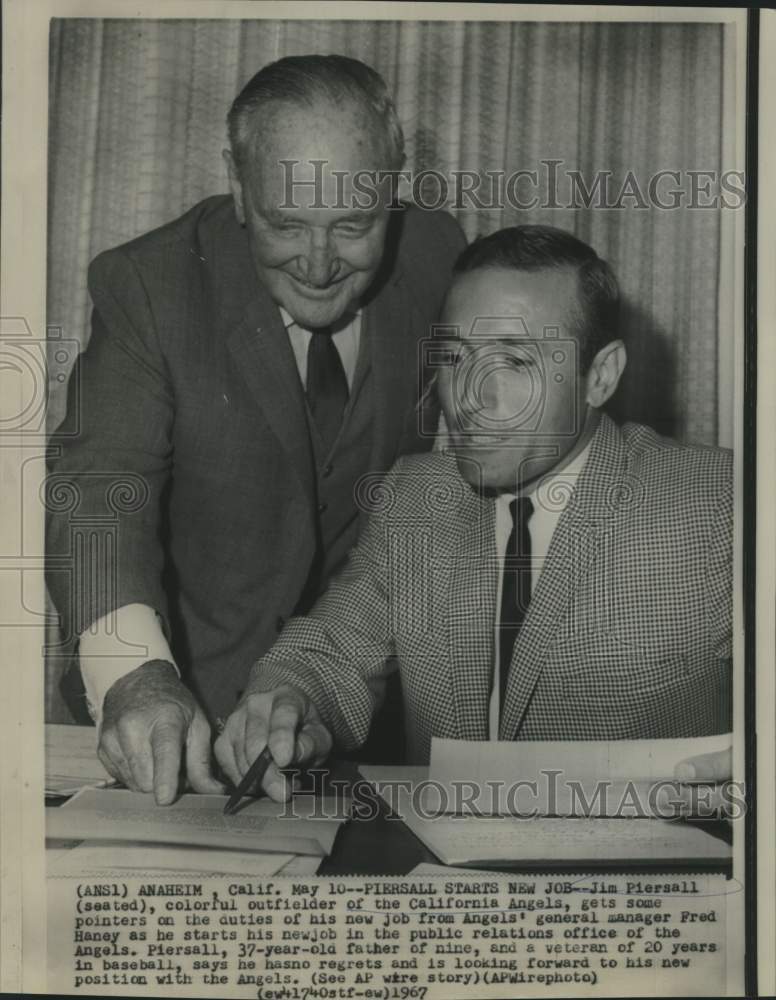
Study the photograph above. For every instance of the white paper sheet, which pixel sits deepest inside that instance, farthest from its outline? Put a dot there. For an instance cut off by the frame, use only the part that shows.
(508, 839)
(105, 859)
(71, 760)
(300, 865)
(469, 840)
(198, 820)
(575, 778)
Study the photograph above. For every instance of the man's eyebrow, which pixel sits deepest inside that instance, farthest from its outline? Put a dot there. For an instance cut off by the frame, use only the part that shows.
(271, 213)
(275, 214)
(363, 216)
(513, 342)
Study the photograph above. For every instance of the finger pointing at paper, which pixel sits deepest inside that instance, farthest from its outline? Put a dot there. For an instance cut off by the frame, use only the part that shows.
(152, 730)
(286, 721)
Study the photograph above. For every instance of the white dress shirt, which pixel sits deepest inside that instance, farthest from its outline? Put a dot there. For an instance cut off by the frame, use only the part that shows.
(550, 496)
(346, 335)
(130, 636)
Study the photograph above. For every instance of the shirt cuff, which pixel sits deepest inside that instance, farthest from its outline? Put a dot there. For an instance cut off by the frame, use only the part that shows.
(117, 644)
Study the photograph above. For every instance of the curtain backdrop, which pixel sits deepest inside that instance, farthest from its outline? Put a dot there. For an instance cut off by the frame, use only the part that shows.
(137, 125)
(137, 128)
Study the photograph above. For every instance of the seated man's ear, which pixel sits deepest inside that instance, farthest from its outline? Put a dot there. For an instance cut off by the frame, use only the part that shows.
(605, 372)
(235, 186)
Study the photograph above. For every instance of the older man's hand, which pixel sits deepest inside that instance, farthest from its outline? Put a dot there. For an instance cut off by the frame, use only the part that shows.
(151, 725)
(287, 721)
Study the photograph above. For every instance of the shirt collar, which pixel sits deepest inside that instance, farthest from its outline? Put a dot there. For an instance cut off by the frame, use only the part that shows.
(556, 487)
(345, 320)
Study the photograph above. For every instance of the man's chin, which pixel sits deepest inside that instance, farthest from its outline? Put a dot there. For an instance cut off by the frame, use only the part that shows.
(491, 470)
(313, 309)
(479, 473)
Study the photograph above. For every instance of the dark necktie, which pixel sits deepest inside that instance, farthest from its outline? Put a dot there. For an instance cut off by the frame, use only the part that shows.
(516, 587)
(327, 385)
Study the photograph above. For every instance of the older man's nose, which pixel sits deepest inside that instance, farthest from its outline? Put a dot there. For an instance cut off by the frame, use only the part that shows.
(319, 266)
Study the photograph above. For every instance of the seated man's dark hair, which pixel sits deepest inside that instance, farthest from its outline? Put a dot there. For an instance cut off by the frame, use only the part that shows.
(541, 248)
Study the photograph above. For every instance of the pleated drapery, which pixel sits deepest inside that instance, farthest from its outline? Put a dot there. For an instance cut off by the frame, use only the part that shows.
(137, 111)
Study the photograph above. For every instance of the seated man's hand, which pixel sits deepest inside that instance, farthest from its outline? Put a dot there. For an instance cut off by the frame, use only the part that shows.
(287, 721)
(712, 772)
(150, 723)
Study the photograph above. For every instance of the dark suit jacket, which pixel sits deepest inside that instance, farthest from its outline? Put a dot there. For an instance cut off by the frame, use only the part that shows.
(627, 636)
(191, 472)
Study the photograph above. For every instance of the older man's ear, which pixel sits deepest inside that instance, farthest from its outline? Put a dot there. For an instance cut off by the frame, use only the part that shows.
(605, 373)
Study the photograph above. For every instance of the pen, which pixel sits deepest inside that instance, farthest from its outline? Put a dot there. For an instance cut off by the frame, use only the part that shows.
(255, 773)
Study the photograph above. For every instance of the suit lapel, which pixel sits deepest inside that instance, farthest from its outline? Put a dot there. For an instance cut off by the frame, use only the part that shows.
(472, 608)
(574, 545)
(261, 352)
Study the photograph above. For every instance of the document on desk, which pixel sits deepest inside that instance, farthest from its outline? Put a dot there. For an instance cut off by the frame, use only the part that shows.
(542, 829)
(504, 840)
(116, 859)
(559, 778)
(71, 761)
(198, 821)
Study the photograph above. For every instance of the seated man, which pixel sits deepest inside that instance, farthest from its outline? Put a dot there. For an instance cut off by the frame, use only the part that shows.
(554, 577)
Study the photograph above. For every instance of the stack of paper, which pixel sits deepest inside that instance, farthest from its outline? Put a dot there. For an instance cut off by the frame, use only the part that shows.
(104, 830)
(115, 831)
(199, 821)
(556, 778)
(71, 760)
(100, 859)
(467, 810)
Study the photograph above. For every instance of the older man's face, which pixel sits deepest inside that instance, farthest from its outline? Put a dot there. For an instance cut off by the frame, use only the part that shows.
(314, 250)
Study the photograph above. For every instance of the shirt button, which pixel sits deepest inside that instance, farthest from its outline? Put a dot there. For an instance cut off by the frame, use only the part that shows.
(322, 508)
(328, 471)
(279, 623)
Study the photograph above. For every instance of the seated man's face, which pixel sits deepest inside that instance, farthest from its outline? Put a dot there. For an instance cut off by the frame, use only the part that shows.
(314, 250)
(510, 388)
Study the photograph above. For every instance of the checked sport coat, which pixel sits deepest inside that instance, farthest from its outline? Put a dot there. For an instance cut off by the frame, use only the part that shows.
(629, 630)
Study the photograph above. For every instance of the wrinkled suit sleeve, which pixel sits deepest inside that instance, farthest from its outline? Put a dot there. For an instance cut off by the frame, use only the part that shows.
(110, 460)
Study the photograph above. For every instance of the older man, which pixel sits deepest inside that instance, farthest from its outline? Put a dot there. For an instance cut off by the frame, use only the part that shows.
(249, 362)
(555, 577)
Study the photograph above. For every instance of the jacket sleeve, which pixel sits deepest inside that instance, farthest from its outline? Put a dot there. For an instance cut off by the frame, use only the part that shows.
(333, 653)
(719, 572)
(110, 459)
